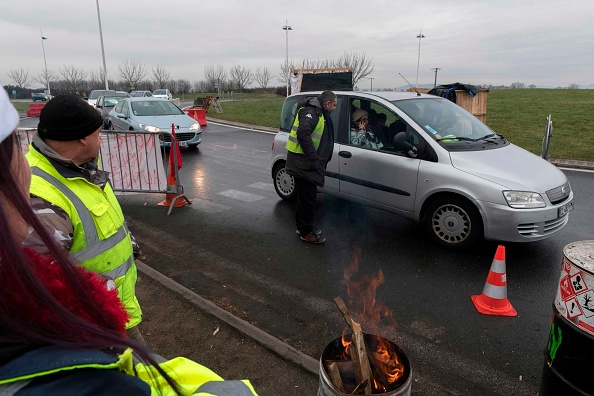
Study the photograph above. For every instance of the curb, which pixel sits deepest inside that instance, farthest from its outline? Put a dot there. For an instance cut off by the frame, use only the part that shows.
(277, 346)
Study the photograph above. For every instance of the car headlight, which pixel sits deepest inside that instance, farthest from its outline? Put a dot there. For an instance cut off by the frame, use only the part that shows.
(524, 199)
(150, 128)
(195, 127)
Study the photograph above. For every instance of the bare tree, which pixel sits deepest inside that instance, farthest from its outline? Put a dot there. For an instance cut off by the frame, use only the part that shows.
(517, 85)
(161, 77)
(74, 79)
(359, 62)
(214, 75)
(201, 86)
(96, 80)
(241, 76)
(262, 76)
(283, 73)
(20, 77)
(131, 72)
(183, 86)
(531, 86)
(45, 78)
(573, 86)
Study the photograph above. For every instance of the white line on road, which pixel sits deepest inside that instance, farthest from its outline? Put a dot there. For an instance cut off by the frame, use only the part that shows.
(240, 195)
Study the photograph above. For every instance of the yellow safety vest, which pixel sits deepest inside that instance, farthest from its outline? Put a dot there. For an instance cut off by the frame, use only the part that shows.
(293, 144)
(192, 378)
(101, 240)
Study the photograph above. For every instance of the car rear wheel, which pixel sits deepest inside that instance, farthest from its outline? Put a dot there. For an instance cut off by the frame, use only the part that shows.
(284, 184)
(453, 222)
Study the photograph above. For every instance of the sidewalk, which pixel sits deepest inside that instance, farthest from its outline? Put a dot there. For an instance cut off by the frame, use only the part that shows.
(178, 322)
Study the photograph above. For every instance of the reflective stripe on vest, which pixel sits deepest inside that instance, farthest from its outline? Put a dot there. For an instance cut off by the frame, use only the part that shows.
(316, 135)
(235, 388)
(95, 246)
(13, 387)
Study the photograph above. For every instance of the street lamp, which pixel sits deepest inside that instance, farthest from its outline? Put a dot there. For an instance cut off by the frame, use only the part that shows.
(286, 28)
(45, 63)
(419, 36)
(435, 81)
(102, 50)
(371, 78)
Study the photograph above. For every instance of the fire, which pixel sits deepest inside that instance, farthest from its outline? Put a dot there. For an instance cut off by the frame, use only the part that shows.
(362, 293)
(386, 364)
(392, 368)
(346, 354)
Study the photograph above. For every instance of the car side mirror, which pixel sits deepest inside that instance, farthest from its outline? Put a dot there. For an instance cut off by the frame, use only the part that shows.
(120, 115)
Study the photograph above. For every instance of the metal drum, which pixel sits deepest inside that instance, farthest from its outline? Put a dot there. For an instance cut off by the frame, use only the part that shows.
(569, 355)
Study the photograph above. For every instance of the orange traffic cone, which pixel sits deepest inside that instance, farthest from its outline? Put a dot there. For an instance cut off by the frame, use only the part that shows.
(169, 198)
(494, 301)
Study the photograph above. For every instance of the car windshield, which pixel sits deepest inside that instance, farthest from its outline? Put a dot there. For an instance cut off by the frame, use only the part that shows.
(160, 92)
(110, 101)
(155, 108)
(445, 121)
(96, 94)
(137, 93)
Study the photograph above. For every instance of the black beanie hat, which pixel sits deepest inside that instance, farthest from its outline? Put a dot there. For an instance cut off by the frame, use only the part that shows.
(68, 117)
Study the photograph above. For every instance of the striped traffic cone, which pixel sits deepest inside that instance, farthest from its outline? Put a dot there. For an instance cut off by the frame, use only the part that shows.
(493, 300)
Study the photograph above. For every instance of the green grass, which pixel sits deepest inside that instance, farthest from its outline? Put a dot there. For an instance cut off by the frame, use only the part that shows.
(255, 109)
(520, 116)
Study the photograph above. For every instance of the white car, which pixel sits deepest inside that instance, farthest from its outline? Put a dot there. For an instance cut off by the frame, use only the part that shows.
(162, 93)
(439, 165)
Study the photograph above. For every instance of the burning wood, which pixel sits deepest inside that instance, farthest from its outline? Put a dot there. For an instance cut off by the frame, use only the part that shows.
(359, 354)
(373, 361)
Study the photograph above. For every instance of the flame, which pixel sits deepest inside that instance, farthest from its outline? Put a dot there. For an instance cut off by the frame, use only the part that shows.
(362, 293)
(390, 364)
(346, 354)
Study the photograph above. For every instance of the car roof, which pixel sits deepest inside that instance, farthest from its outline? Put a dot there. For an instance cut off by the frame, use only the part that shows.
(145, 99)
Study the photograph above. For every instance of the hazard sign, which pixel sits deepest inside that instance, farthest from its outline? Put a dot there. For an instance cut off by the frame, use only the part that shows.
(565, 288)
(578, 284)
(566, 265)
(573, 308)
(586, 301)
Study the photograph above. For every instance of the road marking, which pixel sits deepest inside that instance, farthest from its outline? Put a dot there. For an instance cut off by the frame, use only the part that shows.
(206, 206)
(240, 195)
(263, 186)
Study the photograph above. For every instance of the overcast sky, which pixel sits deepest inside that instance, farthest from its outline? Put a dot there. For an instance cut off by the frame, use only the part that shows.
(545, 42)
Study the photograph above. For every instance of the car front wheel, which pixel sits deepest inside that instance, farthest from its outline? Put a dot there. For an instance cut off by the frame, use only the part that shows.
(284, 184)
(453, 222)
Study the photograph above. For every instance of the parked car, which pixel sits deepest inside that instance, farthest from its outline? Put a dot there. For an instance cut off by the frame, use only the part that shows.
(439, 165)
(104, 105)
(146, 94)
(35, 96)
(94, 95)
(162, 93)
(155, 115)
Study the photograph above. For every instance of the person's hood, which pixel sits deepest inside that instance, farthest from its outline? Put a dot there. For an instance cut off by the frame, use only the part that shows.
(510, 166)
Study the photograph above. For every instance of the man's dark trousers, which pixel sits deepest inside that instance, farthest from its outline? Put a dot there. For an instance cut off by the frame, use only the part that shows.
(306, 199)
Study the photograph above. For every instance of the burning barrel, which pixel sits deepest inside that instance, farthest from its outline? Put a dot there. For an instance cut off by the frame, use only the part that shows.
(569, 356)
(390, 367)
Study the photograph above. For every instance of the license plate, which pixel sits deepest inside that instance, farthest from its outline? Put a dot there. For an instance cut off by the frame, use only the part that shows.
(563, 210)
(182, 144)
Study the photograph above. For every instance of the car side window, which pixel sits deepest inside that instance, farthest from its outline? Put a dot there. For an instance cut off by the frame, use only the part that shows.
(125, 109)
(118, 108)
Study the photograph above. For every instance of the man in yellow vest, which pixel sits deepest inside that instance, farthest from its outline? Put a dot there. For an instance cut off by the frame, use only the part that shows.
(310, 146)
(74, 198)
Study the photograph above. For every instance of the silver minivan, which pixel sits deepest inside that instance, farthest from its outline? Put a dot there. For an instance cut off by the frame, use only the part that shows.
(436, 164)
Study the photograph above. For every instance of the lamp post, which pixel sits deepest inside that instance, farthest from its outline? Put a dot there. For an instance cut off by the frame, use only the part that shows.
(435, 81)
(102, 50)
(371, 78)
(45, 63)
(419, 36)
(286, 28)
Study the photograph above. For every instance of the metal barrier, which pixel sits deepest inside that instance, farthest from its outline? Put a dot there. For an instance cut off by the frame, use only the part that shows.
(135, 161)
(546, 140)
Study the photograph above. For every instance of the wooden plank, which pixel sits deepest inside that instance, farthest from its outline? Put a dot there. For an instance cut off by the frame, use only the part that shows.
(334, 374)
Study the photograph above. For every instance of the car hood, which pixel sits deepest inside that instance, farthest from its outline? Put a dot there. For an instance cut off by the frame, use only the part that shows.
(164, 122)
(510, 166)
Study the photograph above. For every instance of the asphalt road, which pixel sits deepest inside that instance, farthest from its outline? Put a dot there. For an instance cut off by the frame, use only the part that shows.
(236, 246)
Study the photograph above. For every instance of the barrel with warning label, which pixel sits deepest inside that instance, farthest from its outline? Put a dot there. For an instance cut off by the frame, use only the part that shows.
(569, 355)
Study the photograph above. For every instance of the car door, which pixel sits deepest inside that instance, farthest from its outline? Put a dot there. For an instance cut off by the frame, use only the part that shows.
(118, 123)
(384, 175)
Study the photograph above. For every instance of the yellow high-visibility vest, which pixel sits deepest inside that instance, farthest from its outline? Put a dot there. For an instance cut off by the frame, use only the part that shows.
(316, 136)
(101, 240)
